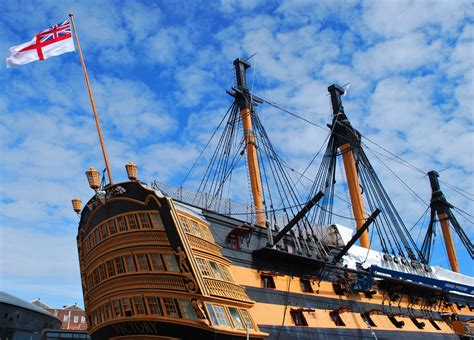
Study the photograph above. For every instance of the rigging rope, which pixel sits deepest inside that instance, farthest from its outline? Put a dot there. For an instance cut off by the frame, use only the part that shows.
(396, 157)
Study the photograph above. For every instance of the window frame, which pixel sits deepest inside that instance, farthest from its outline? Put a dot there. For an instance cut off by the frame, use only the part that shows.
(220, 310)
(204, 267)
(162, 266)
(234, 320)
(140, 306)
(130, 259)
(186, 306)
(139, 258)
(132, 221)
(171, 263)
(144, 220)
(151, 305)
(167, 303)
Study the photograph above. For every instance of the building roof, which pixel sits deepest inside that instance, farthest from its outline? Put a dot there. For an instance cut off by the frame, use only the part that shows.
(73, 307)
(14, 301)
(40, 303)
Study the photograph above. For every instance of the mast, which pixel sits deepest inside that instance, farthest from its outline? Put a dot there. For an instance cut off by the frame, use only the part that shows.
(244, 100)
(348, 140)
(89, 90)
(440, 205)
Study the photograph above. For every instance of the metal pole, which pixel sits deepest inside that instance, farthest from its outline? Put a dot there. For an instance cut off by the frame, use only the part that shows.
(311, 203)
(358, 234)
(71, 15)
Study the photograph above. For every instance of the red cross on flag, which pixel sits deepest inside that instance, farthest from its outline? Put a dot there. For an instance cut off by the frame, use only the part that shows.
(51, 42)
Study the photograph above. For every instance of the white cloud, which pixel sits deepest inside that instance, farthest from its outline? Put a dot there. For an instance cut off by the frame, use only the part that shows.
(403, 54)
(396, 18)
(159, 74)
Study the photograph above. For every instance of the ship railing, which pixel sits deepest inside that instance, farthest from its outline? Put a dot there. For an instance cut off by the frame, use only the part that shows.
(223, 206)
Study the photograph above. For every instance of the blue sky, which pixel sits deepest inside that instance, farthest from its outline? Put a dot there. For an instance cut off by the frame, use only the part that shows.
(159, 71)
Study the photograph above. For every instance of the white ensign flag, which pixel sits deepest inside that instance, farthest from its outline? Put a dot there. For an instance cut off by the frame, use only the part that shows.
(51, 42)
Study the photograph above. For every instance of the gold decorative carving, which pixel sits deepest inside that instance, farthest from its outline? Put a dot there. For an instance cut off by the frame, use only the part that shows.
(137, 238)
(199, 309)
(191, 285)
(182, 259)
(138, 282)
(226, 289)
(204, 245)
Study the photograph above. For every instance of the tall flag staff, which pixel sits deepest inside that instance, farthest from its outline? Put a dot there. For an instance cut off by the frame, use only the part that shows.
(71, 15)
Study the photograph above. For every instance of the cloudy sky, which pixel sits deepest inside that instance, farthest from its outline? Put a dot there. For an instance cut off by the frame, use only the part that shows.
(159, 71)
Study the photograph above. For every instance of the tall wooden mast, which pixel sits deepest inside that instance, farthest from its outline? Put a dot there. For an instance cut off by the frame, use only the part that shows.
(348, 141)
(89, 90)
(244, 100)
(440, 205)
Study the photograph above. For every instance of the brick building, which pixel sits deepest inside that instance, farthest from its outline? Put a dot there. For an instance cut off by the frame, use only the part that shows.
(73, 317)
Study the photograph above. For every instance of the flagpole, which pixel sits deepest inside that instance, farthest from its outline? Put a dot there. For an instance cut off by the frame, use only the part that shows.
(71, 15)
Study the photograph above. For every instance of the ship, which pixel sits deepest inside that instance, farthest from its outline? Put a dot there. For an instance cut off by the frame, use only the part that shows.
(164, 262)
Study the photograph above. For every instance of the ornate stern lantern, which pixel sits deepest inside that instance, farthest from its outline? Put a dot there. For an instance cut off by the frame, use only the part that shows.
(132, 171)
(77, 205)
(93, 176)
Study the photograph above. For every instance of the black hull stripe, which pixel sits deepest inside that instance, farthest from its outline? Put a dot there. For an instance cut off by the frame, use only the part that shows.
(306, 333)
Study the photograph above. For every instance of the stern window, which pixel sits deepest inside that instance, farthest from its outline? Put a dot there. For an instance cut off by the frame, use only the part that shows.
(221, 316)
(117, 308)
(122, 225)
(195, 228)
(102, 273)
(130, 263)
(171, 263)
(108, 311)
(156, 221)
(127, 307)
(215, 270)
(236, 318)
(157, 262)
(139, 305)
(170, 307)
(203, 267)
(212, 315)
(110, 268)
(112, 227)
(188, 309)
(144, 221)
(154, 305)
(247, 319)
(132, 221)
(103, 231)
(143, 262)
(119, 265)
(184, 223)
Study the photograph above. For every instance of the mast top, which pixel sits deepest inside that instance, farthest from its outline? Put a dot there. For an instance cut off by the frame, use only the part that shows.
(241, 66)
(336, 91)
(433, 175)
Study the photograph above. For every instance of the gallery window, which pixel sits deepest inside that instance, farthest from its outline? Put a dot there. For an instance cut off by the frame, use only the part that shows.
(154, 305)
(170, 307)
(188, 310)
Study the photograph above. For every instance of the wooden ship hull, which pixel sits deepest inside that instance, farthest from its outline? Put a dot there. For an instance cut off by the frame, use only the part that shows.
(160, 264)
(158, 267)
